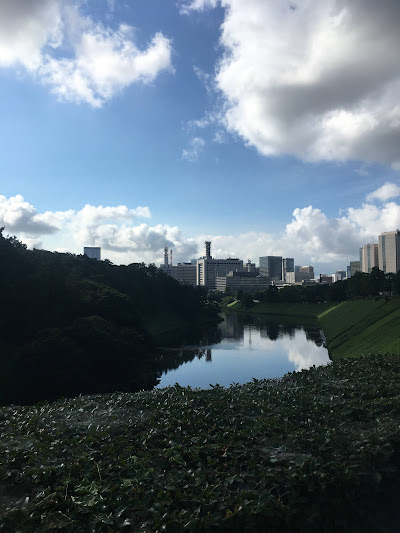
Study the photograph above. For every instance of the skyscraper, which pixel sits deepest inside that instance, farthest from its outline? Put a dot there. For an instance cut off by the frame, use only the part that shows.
(94, 252)
(369, 257)
(208, 268)
(355, 266)
(271, 266)
(287, 266)
(389, 251)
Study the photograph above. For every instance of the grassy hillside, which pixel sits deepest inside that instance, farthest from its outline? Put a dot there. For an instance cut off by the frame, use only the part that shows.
(297, 310)
(309, 453)
(364, 326)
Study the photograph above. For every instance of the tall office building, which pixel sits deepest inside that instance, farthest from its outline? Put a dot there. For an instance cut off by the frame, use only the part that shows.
(308, 269)
(247, 281)
(355, 266)
(271, 267)
(389, 251)
(300, 274)
(94, 252)
(287, 266)
(369, 257)
(184, 273)
(340, 275)
(208, 268)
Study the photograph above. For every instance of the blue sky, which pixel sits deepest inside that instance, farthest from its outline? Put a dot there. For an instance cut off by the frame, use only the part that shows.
(269, 128)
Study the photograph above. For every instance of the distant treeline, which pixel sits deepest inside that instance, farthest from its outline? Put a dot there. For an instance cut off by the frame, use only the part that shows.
(360, 285)
(70, 324)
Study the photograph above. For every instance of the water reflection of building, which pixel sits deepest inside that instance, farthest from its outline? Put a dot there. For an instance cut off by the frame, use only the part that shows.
(208, 355)
(273, 330)
(270, 331)
(232, 327)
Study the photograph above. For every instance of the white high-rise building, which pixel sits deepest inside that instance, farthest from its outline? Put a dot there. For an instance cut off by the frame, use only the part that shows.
(389, 251)
(185, 273)
(369, 257)
(208, 269)
(94, 252)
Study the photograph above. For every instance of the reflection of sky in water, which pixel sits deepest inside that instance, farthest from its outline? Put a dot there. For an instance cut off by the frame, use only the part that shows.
(246, 352)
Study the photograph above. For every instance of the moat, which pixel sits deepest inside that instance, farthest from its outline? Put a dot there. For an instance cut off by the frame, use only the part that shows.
(249, 347)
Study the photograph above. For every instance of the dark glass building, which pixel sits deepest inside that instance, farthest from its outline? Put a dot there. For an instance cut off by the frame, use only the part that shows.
(271, 267)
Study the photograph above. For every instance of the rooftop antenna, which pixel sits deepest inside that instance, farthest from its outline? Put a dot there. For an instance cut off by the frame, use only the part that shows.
(207, 245)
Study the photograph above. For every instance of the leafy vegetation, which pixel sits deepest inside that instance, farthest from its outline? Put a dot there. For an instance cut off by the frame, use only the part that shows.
(360, 285)
(74, 325)
(308, 453)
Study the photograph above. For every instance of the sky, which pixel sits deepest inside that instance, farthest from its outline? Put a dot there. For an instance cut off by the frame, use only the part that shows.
(269, 128)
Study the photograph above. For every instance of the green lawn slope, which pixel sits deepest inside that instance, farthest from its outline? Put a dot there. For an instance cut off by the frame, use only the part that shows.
(365, 326)
(301, 313)
(311, 452)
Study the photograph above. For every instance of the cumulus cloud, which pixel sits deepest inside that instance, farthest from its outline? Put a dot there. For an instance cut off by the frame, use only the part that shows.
(319, 80)
(26, 28)
(192, 153)
(80, 60)
(387, 191)
(86, 222)
(18, 216)
(114, 228)
(311, 237)
(197, 5)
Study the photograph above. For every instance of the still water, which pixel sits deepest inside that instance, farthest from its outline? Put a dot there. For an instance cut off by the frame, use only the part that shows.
(248, 348)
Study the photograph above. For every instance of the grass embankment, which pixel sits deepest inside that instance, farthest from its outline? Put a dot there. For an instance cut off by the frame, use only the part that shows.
(364, 326)
(304, 314)
(309, 453)
(351, 328)
(283, 309)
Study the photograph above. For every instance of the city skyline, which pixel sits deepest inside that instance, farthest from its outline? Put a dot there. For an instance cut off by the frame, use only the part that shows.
(268, 129)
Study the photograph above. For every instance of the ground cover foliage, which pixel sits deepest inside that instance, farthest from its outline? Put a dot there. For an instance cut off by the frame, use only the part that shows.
(305, 453)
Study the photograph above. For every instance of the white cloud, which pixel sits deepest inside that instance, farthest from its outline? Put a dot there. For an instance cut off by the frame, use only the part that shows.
(85, 223)
(197, 5)
(310, 236)
(18, 216)
(192, 153)
(387, 191)
(319, 80)
(304, 352)
(114, 228)
(100, 61)
(26, 28)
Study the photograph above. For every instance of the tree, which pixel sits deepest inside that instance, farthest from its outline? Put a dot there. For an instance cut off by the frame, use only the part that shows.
(247, 300)
(272, 294)
(376, 281)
